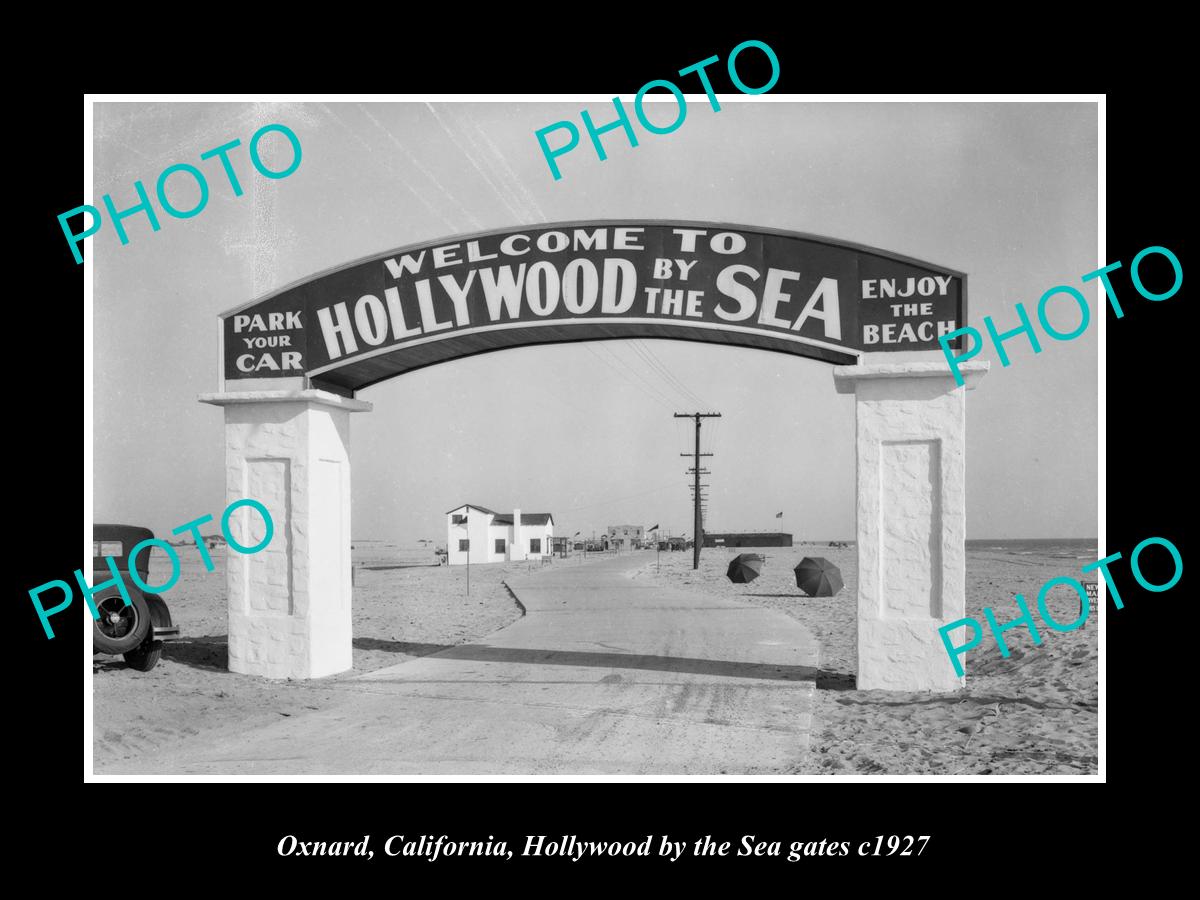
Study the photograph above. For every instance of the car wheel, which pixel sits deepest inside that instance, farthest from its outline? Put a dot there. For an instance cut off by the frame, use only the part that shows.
(120, 628)
(145, 657)
(147, 654)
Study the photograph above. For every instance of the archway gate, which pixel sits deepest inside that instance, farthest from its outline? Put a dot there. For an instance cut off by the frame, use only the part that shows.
(291, 363)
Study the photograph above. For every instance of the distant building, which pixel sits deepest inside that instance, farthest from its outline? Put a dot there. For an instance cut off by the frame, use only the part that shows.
(625, 537)
(489, 536)
(747, 539)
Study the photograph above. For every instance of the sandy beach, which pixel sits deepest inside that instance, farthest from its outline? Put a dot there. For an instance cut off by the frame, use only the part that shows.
(1032, 713)
(404, 607)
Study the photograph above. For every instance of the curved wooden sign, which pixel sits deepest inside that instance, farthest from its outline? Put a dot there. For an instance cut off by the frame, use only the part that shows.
(580, 281)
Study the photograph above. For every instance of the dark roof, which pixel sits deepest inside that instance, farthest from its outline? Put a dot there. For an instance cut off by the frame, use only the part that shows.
(506, 518)
(129, 534)
(526, 518)
(738, 534)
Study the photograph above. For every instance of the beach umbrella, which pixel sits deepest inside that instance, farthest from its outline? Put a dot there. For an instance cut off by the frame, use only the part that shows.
(744, 568)
(818, 577)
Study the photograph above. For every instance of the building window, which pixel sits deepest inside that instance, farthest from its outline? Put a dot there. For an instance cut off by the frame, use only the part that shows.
(464, 546)
(458, 520)
(535, 545)
(499, 545)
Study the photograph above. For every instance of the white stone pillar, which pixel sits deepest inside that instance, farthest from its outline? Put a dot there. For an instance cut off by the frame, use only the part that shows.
(289, 604)
(911, 532)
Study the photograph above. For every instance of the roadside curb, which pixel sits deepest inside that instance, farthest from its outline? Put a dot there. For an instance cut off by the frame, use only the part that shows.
(516, 599)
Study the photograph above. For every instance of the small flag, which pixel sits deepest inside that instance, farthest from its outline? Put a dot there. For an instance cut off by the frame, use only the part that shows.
(779, 515)
(652, 528)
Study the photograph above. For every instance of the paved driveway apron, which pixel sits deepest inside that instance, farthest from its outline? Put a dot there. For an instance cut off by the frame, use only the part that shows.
(606, 673)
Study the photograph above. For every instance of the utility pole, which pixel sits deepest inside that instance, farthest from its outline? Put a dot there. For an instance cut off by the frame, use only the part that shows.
(698, 530)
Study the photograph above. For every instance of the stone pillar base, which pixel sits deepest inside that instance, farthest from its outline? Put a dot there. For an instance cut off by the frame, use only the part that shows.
(911, 532)
(289, 604)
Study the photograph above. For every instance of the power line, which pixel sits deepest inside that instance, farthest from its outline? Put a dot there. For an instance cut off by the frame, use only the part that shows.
(661, 380)
(626, 371)
(657, 376)
(633, 369)
(658, 366)
(657, 398)
(713, 436)
(695, 398)
(709, 436)
(619, 499)
(514, 211)
(682, 385)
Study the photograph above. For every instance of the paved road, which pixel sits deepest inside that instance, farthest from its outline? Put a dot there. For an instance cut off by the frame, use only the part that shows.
(605, 674)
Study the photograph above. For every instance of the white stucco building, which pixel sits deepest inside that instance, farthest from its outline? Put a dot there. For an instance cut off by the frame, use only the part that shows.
(625, 537)
(496, 537)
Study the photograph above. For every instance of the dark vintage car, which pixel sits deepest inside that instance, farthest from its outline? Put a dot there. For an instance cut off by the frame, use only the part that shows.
(136, 631)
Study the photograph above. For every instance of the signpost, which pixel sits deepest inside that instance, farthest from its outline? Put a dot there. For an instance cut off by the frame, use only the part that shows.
(1092, 588)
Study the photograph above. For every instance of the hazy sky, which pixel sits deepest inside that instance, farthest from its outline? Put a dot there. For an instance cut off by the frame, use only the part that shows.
(1005, 192)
